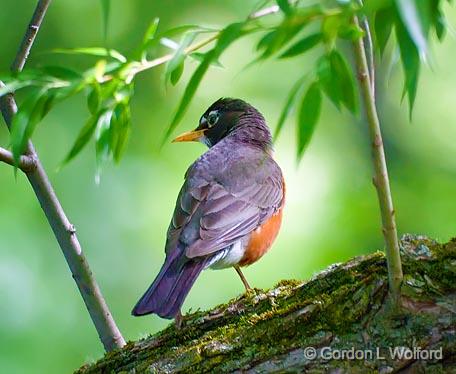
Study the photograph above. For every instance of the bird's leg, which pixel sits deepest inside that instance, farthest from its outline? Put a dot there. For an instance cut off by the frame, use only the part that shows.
(243, 279)
(178, 320)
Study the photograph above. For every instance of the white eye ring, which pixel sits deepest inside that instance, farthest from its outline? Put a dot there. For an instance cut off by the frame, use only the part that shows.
(212, 118)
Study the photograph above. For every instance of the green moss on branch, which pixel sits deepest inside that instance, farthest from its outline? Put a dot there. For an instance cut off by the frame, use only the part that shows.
(344, 307)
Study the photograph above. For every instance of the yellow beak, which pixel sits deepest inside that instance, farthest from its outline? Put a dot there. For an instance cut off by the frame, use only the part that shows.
(190, 136)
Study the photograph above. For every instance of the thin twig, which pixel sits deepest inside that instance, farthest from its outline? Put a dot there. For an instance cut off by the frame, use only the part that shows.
(198, 45)
(163, 59)
(64, 231)
(381, 180)
(265, 12)
(26, 163)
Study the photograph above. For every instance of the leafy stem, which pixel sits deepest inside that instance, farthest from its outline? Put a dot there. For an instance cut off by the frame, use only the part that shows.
(197, 45)
(146, 65)
(380, 179)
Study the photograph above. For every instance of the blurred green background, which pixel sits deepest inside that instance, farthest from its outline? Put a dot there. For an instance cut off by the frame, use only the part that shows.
(331, 212)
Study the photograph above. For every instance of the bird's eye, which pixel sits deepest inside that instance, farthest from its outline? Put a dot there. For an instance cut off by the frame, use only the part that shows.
(212, 118)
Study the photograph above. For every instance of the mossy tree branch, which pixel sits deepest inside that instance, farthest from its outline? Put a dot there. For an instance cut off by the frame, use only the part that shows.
(63, 230)
(342, 309)
(380, 179)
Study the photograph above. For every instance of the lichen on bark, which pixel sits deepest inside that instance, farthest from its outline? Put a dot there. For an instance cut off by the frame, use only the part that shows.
(343, 309)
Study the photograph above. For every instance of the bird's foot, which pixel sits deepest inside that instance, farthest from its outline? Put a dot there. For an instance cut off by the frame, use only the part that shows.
(252, 292)
(178, 320)
(248, 289)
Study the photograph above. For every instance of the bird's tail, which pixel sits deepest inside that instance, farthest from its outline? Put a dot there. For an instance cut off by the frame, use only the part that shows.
(167, 293)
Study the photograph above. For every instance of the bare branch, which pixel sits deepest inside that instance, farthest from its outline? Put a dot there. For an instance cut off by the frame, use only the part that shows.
(64, 231)
(26, 163)
(29, 37)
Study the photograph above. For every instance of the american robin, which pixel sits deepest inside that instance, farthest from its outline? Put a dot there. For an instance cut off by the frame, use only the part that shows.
(229, 209)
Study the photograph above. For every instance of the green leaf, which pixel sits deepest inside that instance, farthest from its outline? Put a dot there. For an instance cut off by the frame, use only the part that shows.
(120, 127)
(351, 32)
(103, 140)
(48, 102)
(189, 92)
(123, 92)
(13, 86)
(177, 62)
(260, 5)
(284, 6)
(62, 93)
(94, 98)
(438, 20)
(440, 27)
(302, 46)
(175, 31)
(410, 62)
(226, 37)
(115, 69)
(151, 31)
(149, 37)
(177, 73)
(383, 25)
(99, 70)
(266, 40)
(327, 80)
(93, 51)
(40, 110)
(336, 79)
(274, 40)
(36, 77)
(199, 56)
(61, 73)
(309, 112)
(105, 7)
(25, 120)
(282, 35)
(414, 17)
(288, 106)
(343, 77)
(83, 137)
(330, 28)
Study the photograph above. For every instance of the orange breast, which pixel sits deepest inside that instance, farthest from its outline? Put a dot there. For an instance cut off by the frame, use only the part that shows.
(262, 238)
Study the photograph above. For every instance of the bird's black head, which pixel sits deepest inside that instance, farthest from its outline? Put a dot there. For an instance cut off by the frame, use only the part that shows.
(230, 117)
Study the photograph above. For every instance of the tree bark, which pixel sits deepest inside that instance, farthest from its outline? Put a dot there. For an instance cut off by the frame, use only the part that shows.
(341, 311)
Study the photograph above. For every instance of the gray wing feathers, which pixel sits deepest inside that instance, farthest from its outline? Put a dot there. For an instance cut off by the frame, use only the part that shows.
(215, 209)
